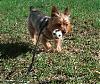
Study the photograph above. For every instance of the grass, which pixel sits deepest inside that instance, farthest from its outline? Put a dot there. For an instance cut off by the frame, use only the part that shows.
(78, 63)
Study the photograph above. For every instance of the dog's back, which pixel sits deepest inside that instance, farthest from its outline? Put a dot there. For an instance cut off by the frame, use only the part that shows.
(36, 18)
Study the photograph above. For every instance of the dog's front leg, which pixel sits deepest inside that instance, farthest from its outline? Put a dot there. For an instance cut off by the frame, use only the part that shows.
(58, 43)
(46, 44)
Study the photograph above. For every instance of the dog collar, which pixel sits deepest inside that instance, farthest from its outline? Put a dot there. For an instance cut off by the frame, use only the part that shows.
(43, 25)
(44, 22)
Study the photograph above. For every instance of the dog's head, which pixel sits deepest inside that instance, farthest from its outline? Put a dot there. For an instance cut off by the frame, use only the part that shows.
(60, 20)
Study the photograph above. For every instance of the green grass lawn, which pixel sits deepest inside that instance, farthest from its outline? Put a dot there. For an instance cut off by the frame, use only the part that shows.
(78, 63)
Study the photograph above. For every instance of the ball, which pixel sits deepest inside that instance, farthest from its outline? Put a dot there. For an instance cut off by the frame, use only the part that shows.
(57, 34)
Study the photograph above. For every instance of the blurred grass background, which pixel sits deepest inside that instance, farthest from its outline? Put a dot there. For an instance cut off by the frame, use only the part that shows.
(77, 63)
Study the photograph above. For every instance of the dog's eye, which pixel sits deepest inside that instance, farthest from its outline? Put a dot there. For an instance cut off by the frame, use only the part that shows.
(66, 24)
(59, 24)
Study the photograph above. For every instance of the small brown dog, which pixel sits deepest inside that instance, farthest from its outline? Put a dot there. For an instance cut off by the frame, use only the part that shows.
(58, 20)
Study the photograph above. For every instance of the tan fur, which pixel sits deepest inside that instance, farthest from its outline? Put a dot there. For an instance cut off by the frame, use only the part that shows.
(58, 21)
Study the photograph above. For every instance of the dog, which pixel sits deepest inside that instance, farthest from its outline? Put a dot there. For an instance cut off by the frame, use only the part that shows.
(37, 21)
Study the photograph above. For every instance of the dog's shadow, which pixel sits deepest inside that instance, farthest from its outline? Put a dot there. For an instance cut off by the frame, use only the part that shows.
(12, 50)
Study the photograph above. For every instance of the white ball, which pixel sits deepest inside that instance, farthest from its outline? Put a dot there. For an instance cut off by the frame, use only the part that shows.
(57, 34)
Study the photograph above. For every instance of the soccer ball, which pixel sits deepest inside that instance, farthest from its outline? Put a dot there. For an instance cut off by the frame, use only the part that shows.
(57, 34)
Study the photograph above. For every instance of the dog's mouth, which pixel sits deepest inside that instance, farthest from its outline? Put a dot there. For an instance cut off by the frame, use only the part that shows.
(63, 32)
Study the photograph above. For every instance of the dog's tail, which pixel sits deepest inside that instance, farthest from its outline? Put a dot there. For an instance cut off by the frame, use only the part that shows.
(31, 7)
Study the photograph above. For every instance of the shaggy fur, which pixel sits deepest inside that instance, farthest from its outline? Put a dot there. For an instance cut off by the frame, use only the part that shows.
(57, 20)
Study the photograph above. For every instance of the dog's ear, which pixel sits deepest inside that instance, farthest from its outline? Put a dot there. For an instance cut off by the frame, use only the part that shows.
(54, 11)
(66, 12)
